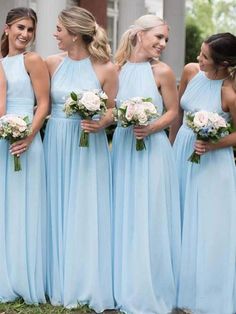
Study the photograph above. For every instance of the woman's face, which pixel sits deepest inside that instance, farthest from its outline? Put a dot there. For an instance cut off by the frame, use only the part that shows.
(65, 39)
(20, 34)
(153, 41)
(206, 63)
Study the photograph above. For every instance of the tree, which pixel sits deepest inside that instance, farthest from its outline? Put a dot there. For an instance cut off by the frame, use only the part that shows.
(213, 16)
(193, 41)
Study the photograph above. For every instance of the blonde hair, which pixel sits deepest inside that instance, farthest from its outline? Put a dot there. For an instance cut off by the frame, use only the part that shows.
(129, 38)
(79, 21)
(13, 16)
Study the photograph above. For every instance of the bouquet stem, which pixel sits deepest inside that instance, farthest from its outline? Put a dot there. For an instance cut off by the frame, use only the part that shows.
(17, 164)
(195, 158)
(84, 139)
(140, 145)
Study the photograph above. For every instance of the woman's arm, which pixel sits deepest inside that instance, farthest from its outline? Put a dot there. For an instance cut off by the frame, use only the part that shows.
(189, 71)
(167, 85)
(110, 87)
(229, 104)
(3, 91)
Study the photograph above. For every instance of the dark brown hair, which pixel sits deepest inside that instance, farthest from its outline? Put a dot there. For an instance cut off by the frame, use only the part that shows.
(223, 49)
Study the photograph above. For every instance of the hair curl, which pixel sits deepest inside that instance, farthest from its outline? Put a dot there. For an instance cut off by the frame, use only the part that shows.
(79, 21)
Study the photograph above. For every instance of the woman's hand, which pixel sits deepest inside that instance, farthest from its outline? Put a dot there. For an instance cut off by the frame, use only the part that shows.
(202, 147)
(91, 126)
(143, 131)
(21, 146)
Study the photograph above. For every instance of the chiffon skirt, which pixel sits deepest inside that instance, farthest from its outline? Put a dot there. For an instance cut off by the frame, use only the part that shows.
(208, 201)
(79, 264)
(146, 224)
(22, 225)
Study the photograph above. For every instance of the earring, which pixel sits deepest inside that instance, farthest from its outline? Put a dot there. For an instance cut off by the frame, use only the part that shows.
(6, 34)
(74, 39)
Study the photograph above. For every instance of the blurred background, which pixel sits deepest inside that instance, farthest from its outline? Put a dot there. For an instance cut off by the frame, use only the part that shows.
(190, 22)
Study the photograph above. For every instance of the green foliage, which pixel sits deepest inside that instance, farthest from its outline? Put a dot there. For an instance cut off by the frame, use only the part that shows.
(204, 18)
(212, 16)
(202, 13)
(224, 16)
(193, 41)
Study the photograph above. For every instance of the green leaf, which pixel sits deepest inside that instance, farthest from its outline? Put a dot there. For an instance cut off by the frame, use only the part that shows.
(73, 96)
(148, 99)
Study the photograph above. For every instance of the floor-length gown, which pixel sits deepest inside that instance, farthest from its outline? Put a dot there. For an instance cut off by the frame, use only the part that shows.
(22, 200)
(79, 199)
(146, 208)
(208, 205)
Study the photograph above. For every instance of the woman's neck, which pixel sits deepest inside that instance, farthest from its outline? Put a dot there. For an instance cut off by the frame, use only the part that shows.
(78, 53)
(13, 53)
(217, 74)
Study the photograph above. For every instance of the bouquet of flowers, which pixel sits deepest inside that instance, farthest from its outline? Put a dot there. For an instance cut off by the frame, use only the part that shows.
(87, 104)
(136, 111)
(14, 128)
(208, 126)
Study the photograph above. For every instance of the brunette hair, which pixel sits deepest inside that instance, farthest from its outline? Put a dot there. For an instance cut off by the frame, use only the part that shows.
(13, 16)
(223, 51)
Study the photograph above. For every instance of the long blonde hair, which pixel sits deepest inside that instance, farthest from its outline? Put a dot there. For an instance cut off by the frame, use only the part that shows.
(79, 21)
(129, 38)
(13, 16)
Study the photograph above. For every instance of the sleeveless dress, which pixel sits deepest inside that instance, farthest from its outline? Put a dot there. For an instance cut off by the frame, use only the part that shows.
(146, 208)
(208, 202)
(22, 200)
(79, 199)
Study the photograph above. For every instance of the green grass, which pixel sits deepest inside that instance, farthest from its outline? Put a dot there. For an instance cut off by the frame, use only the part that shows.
(19, 307)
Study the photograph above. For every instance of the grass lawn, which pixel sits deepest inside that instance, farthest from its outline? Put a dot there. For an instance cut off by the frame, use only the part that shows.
(19, 307)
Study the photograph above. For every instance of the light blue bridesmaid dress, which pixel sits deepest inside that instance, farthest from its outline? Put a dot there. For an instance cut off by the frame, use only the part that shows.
(146, 208)
(22, 200)
(79, 199)
(208, 202)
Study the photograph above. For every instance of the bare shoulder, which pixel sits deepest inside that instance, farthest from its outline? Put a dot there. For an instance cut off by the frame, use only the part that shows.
(228, 95)
(108, 68)
(53, 61)
(34, 62)
(190, 70)
(32, 57)
(162, 69)
(163, 74)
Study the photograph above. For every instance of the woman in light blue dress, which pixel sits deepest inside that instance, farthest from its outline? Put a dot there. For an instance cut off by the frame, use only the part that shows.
(146, 202)
(79, 263)
(208, 189)
(22, 193)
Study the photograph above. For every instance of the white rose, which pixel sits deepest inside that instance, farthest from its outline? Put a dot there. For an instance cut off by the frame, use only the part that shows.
(103, 95)
(200, 118)
(142, 118)
(130, 111)
(220, 123)
(91, 101)
(150, 108)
